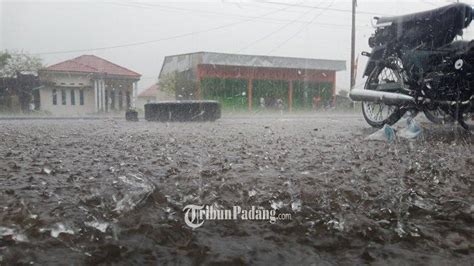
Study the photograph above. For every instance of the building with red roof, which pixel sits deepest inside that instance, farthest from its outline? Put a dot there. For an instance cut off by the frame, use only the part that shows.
(254, 82)
(86, 85)
(153, 94)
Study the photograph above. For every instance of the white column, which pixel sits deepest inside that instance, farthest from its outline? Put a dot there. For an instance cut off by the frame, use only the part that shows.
(105, 101)
(101, 106)
(105, 96)
(102, 95)
(99, 90)
(96, 97)
(134, 93)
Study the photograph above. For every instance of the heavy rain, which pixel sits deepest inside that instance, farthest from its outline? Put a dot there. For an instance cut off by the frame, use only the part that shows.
(236, 132)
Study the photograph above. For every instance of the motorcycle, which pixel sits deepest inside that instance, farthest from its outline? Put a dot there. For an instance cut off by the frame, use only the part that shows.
(419, 64)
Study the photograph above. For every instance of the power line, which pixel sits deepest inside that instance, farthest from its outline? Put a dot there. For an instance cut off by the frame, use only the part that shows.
(205, 11)
(220, 14)
(301, 29)
(428, 3)
(139, 43)
(269, 34)
(329, 9)
(256, 4)
(161, 39)
(195, 11)
(353, 47)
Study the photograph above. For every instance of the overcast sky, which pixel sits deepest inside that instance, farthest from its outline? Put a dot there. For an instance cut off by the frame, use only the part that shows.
(138, 34)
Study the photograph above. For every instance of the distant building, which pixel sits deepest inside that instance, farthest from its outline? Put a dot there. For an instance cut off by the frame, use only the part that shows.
(254, 82)
(86, 85)
(152, 94)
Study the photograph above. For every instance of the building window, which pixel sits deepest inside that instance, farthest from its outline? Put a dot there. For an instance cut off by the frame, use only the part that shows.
(81, 97)
(63, 96)
(55, 97)
(73, 97)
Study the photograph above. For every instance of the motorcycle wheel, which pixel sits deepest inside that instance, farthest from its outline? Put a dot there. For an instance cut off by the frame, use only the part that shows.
(379, 114)
(438, 116)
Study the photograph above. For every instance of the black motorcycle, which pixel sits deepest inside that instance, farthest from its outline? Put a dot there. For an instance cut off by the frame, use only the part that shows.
(418, 64)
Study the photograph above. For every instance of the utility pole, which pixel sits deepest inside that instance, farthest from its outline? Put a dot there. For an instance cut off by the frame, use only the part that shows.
(354, 5)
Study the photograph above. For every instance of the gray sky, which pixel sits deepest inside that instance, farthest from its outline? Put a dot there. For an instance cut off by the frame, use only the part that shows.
(151, 30)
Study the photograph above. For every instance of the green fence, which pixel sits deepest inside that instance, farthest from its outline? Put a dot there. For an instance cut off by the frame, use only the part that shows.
(231, 93)
(266, 94)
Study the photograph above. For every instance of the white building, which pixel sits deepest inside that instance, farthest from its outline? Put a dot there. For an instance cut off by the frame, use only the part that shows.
(87, 85)
(153, 94)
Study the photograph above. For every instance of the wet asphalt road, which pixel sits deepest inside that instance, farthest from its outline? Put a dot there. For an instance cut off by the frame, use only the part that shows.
(110, 191)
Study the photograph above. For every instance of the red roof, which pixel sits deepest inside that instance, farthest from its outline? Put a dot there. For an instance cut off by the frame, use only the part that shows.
(92, 64)
(150, 92)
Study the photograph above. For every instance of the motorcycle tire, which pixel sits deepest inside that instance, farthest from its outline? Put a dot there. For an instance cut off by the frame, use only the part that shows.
(391, 118)
(438, 117)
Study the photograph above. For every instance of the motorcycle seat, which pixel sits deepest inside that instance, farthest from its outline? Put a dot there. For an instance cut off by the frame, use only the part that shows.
(461, 11)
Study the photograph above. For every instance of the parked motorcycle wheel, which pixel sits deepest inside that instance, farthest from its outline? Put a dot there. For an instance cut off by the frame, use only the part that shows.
(438, 116)
(379, 114)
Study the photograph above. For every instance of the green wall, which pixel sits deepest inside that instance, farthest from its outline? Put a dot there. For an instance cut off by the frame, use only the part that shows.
(232, 93)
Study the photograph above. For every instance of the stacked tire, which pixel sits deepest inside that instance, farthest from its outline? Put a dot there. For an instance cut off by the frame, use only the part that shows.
(183, 111)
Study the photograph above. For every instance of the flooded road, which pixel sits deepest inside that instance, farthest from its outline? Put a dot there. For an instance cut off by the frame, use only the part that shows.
(108, 191)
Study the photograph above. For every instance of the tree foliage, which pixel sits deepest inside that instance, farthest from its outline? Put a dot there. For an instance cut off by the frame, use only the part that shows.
(4, 57)
(178, 84)
(168, 82)
(18, 77)
(11, 64)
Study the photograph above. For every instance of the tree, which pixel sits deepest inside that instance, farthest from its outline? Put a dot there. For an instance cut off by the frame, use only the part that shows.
(11, 64)
(179, 84)
(168, 82)
(18, 78)
(4, 57)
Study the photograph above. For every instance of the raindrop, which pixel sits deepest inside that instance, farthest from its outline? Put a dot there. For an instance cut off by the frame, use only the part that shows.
(58, 229)
(252, 193)
(98, 225)
(47, 170)
(296, 205)
(276, 205)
